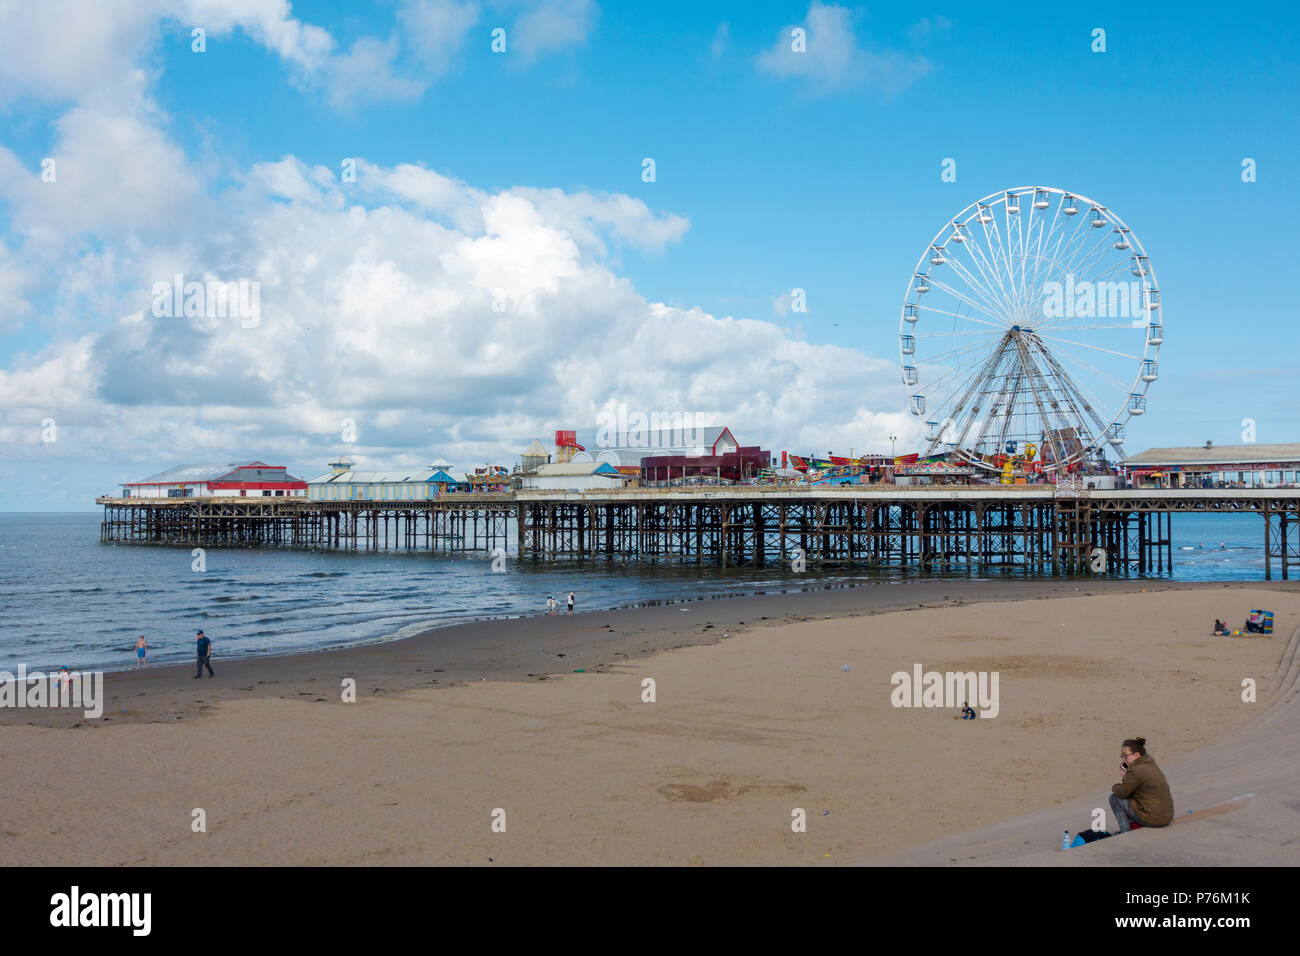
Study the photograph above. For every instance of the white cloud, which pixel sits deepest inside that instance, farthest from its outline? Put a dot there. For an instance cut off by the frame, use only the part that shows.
(437, 30)
(269, 22)
(585, 216)
(15, 283)
(551, 26)
(366, 74)
(449, 200)
(113, 173)
(832, 58)
(290, 178)
(92, 52)
(99, 54)
(82, 50)
(457, 340)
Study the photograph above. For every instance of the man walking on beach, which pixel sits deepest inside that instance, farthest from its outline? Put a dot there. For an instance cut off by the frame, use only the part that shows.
(204, 650)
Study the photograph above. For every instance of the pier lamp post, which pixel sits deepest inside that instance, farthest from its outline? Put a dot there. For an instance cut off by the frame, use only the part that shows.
(892, 439)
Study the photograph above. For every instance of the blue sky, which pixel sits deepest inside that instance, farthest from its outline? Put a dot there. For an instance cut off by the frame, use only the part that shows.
(770, 175)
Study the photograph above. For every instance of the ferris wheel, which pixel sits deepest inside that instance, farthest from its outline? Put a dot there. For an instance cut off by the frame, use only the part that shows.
(1032, 318)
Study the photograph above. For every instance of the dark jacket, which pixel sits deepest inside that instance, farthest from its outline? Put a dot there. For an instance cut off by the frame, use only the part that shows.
(1147, 792)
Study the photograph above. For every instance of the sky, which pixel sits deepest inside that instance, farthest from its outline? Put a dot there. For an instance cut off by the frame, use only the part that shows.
(457, 249)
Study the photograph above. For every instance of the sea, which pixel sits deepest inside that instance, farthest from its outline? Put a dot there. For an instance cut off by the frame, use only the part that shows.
(66, 599)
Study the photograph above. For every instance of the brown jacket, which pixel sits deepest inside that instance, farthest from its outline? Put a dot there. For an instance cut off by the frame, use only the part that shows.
(1147, 792)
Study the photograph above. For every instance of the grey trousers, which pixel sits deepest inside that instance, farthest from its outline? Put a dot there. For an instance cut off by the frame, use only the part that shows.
(1123, 813)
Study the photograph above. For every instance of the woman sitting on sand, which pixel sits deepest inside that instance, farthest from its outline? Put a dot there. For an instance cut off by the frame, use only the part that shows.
(1142, 797)
(1220, 628)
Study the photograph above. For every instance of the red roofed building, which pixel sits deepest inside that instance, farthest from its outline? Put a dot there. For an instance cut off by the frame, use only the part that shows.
(255, 479)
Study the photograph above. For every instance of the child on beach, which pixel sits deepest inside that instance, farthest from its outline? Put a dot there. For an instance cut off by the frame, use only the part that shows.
(967, 711)
(551, 605)
(141, 648)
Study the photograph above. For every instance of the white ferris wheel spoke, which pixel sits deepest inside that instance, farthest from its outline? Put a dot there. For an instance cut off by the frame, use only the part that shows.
(1124, 387)
(965, 317)
(964, 298)
(986, 294)
(944, 335)
(988, 269)
(1043, 236)
(1127, 355)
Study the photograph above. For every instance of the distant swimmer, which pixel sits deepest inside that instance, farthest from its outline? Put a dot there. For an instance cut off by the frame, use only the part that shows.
(141, 648)
(1222, 546)
(1142, 797)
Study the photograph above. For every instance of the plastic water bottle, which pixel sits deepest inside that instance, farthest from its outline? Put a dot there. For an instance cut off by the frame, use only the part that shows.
(1065, 840)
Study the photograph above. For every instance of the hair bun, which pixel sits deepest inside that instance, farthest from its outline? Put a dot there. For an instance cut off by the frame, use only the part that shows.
(1141, 741)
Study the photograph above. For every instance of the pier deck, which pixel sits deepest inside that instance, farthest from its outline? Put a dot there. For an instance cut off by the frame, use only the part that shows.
(1040, 528)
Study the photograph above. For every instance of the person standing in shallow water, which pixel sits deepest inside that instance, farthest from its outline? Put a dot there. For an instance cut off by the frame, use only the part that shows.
(1142, 795)
(141, 648)
(570, 604)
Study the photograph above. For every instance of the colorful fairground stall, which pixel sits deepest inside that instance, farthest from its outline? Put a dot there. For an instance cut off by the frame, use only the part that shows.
(486, 479)
(936, 472)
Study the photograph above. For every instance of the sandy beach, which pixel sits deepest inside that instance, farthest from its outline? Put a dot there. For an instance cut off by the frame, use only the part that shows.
(754, 716)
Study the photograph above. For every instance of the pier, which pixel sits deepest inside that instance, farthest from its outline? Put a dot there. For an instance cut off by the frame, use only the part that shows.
(461, 522)
(1041, 529)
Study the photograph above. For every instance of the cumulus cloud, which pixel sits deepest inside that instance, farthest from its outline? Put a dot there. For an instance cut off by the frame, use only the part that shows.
(462, 341)
(82, 50)
(113, 172)
(830, 57)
